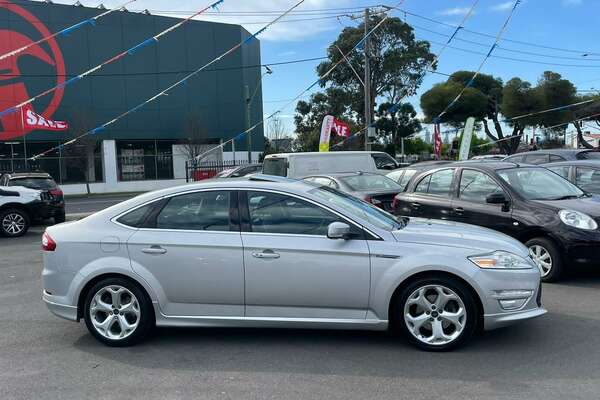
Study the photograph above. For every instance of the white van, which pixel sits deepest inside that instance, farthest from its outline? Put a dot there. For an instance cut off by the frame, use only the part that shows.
(300, 165)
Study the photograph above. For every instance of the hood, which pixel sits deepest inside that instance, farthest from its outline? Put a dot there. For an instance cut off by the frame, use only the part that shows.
(455, 234)
(588, 205)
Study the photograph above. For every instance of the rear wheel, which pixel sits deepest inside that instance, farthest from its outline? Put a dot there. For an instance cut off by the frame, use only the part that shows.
(118, 313)
(14, 222)
(547, 257)
(436, 314)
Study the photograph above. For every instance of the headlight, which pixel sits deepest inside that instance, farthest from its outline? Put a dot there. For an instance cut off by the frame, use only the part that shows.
(577, 219)
(501, 260)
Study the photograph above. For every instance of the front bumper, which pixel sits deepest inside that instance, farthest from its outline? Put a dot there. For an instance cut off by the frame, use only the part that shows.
(57, 308)
(494, 321)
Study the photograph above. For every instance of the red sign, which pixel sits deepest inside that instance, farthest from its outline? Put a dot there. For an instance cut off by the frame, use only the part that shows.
(12, 90)
(437, 141)
(32, 121)
(341, 128)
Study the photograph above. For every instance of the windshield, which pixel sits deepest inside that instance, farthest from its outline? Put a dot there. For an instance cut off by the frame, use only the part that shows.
(275, 166)
(356, 208)
(370, 182)
(589, 155)
(539, 184)
(33, 183)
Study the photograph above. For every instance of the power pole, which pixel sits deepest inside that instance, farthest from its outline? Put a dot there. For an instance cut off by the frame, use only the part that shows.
(368, 110)
(248, 123)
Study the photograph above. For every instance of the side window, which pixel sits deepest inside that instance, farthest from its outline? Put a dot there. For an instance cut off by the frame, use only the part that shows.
(384, 161)
(423, 185)
(277, 213)
(536, 159)
(406, 178)
(588, 179)
(476, 186)
(441, 182)
(396, 175)
(136, 217)
(200, 211)
(562, 170)
(555, 158)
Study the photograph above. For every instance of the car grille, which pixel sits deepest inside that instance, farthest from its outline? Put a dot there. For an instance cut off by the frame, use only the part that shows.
(538, 298)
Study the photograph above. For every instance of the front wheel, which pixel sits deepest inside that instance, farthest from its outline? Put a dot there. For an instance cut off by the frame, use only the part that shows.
(14, 222)
(547, 257)
(436, 314)
(118, 313)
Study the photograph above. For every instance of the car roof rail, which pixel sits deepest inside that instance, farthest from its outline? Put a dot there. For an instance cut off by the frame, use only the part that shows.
(270, 178)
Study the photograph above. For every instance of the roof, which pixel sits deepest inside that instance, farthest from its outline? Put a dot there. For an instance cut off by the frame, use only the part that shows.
(589, 163)
(323, 153)
(13, 175)
(344, 174)
(572, 152)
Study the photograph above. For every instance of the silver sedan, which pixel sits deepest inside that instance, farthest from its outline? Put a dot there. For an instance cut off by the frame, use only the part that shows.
(271, 252)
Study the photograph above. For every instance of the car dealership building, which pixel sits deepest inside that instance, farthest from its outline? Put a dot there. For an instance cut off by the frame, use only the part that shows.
(147, 149)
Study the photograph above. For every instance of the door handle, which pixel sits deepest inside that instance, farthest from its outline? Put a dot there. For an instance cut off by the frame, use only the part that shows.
(154, 250)
(459, 210)
(415, 205)
(265, 254)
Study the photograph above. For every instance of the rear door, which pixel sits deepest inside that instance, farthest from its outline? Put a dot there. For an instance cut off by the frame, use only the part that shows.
(431, 197)
(470, 205)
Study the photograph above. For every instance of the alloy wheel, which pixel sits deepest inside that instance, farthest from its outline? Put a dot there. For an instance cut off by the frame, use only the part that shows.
(13, 223)
(115, 312)
(435, 315)
(542, 258)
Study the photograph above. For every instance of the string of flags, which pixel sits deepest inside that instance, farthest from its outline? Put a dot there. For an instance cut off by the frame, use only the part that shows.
(130, 51)
(241, 135)
(90, 21)
(103, 127)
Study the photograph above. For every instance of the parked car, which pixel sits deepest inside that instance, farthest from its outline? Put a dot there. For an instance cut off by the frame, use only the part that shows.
(54, 204)
(556, 220)
(489, 157)
(402, 175)
(376, 189)
(18, 207)
(239, 171)
(553, 155)
(300, 165)
(583, 173)
(274, 252)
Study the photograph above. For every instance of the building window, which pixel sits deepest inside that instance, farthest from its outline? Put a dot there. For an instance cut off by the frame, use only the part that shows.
(140, 160)
(79, 163)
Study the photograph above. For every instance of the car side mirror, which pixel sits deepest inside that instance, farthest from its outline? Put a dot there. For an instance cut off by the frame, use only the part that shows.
(338, 230)
(496, 198)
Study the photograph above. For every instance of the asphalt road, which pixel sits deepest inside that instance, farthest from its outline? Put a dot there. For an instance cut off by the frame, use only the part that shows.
(85, 205)
(44, 357)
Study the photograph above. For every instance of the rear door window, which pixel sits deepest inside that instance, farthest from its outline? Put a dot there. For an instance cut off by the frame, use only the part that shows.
(437, 184)
(536, 159)
(588, 179)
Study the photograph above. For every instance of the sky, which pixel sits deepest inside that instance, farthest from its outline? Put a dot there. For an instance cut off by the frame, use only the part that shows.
(556, 35)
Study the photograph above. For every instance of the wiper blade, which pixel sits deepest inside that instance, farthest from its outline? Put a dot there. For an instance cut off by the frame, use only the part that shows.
(567, 197)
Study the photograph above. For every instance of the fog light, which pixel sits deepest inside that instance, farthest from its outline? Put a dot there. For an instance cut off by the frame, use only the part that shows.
(513, 304)
(512, 299)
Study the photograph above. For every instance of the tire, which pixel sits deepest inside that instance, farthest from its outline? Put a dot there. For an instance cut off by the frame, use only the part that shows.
(60, 217)
(110, 327)
(14, 222)
(542, 251)
(421, 327)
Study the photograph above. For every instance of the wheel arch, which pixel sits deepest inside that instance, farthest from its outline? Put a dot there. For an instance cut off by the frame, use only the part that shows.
(434, 274)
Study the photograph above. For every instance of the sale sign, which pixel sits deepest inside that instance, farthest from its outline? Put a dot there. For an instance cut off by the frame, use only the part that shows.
(341, 128)
(32, 120)
(329, 123)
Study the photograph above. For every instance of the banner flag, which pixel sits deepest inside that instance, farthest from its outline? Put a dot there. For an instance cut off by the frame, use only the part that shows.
(32, 120)
(325, 132)
(465, 144)
(341, 128)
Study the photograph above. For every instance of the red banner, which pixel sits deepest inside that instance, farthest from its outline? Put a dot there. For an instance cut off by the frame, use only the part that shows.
(32, 121)
(437, 141)
(341, 128)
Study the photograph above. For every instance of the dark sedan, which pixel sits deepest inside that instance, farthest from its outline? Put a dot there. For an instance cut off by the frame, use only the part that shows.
(373, 188)
(583, 173)
(553, 155)
(555, 219)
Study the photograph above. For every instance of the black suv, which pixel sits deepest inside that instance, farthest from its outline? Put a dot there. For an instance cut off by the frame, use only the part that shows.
(53, 205)
(555, 219)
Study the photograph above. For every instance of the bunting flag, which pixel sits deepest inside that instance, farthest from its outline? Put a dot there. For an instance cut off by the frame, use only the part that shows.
(130, 51)
(172, 86)
(90, 21)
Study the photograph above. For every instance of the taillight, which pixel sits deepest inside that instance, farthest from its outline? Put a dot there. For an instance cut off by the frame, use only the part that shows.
(373, 201)
(48, 244)
(394, 203)
(56, 192)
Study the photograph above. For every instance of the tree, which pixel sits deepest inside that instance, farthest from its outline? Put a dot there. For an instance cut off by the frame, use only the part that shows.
(276, 132)
(396, 122)
(195, 142)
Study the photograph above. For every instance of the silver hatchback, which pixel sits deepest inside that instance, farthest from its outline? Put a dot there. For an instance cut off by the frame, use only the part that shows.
(271, 252)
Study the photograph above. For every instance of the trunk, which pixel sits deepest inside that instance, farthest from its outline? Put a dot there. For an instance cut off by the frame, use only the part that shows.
(580, 139)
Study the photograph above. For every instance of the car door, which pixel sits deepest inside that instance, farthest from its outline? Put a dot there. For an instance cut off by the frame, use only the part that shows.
(431, 197)
(192, 248)
(470, 204)
(292, 269)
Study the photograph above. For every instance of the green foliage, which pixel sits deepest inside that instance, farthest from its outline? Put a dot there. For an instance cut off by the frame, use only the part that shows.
(395, 123)
(473, 103)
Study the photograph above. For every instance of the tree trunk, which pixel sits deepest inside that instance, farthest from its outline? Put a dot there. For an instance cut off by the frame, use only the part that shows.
(580, 139)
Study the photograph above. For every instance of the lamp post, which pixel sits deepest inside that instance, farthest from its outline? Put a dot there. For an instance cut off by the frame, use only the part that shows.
(249, 99)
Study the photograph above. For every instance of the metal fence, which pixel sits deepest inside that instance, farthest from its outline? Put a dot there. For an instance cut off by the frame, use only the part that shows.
(208, 169)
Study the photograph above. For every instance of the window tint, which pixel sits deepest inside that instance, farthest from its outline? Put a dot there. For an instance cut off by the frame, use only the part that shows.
(589, 155)
(536, 159)
(202, 211)
(555, 158)
(536, 183)
(588, 179)
(136, 217)
(423, 185)
(562, 170)
(277, 213)
(33, 183)
(406, 178)
(437, 184)
(476, 186)
(275, 166)
(370, 182)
